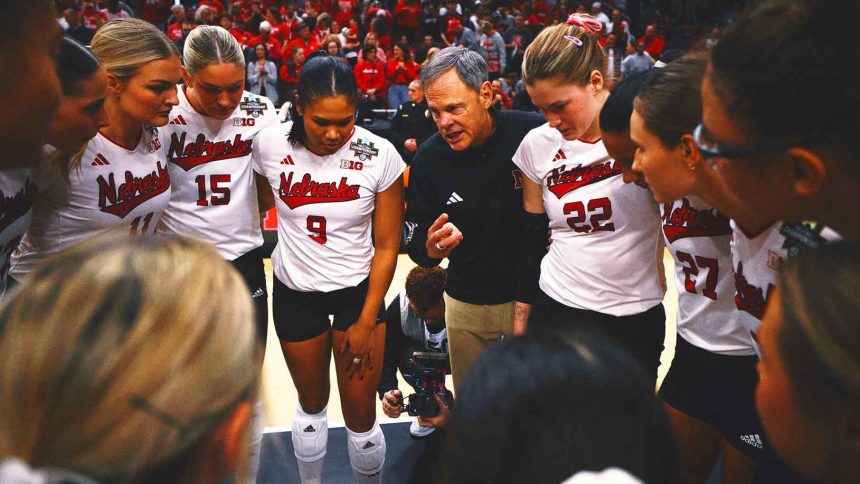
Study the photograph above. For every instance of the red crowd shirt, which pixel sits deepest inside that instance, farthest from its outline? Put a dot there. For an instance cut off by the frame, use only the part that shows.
(309, 47)
(369, 75)
(654, 46)
(404, 76)
(273, 46)
(244, 38)
(216, 4)
(343, 11)
(408, 15)
(290, 77)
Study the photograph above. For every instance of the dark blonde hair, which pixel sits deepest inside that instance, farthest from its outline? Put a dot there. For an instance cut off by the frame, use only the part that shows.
(567, 52)
(119, 357)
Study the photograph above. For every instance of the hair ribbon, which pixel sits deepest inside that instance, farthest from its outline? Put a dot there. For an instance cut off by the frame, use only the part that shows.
(588, 24)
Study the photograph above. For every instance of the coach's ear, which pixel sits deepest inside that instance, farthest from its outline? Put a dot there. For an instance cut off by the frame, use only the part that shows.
(809, 171)
(115, 86)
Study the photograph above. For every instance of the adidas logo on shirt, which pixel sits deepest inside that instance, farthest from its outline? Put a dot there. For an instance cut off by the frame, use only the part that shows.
(258, 293)
(754, 440)
(100, 160)
(559, 156)
(454, 198)
(310, 428)
(368, 445)
(178, 120)
(288, 161)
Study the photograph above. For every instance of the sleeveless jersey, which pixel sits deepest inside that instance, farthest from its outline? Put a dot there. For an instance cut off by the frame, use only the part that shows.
(16, 196)
(114, 188)
(756, 262)
(325, 205)
(699, 237)
(604, 234)
(214, 195)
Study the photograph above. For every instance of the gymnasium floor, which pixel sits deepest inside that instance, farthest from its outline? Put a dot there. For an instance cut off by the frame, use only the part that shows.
(279, 395)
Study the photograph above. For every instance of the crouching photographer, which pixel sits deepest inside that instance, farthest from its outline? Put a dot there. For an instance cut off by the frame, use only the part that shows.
(416, 343)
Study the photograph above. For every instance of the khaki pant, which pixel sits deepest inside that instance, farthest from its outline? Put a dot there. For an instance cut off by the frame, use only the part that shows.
(471, 328)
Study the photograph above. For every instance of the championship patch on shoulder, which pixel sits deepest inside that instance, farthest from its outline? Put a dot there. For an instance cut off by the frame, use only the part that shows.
(253, 106)
(363, 150)
(800, 236)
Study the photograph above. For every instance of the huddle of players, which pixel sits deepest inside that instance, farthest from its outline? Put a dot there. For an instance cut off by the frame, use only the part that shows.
(140, 178)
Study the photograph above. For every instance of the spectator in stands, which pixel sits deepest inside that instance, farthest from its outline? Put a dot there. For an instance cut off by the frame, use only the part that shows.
(421, 51)
(290, 71)
(344, 10)
(481, 237)
(205, 15)
(91, 17)
(370, 78)
(280, 29)
(383, 37)
(323, 27)
(517, 39)
(241, 33)
(175, 29)
(411, 126)
(408, 18)
(31, 90)
(653, 40)
(370, 39)
(415, 321)
(602, 410)
(463, 37)
(600, 16)
(263, 75)
(273, 46)
(216, 5)
(304, 40)
(400, 71)
(638, 61)
(114, 11)
(617, 23)
(86, 353)
(76, 29)
(808, 394)
(500, 99)
(431, 24)
(494, 47)
(332, 47)
(430, 53)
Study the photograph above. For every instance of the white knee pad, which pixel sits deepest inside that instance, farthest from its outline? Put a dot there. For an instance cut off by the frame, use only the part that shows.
(258, 426)
(310, 434)
(366, 450)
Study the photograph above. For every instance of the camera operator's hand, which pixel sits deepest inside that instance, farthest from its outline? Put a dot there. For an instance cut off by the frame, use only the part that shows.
(391, 402)
(441, 418)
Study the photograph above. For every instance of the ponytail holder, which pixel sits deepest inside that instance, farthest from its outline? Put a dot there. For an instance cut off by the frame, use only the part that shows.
(589, 24)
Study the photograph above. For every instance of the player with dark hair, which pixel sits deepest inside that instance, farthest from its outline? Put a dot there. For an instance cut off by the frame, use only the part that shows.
(334, 184)
(415, 321)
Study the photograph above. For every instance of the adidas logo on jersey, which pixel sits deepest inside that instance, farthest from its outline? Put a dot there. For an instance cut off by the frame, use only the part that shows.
(258, 293)
(179, 120)
(368, 445)
(754, 440)
(288, 161)
(100, 160)
(454, 198)
(559, 156)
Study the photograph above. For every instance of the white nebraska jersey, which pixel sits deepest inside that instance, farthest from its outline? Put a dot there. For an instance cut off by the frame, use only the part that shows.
(214, 195)
(757, 260)
(325, 205)
(114, 188)
(699, 238)
(603, 254)
(16, 196)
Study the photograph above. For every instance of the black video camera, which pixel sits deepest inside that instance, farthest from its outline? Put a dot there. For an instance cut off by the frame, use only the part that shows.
(427, 371)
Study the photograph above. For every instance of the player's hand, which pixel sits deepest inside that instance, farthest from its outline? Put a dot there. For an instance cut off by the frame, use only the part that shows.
(391, 403)
(441, 418)
(358, 344)
(442, 238)
(411, 145)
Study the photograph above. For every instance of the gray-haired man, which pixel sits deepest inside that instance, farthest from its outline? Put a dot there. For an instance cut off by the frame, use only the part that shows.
(465, 203)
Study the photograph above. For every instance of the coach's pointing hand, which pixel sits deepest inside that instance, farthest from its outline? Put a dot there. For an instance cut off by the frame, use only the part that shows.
(442, 237)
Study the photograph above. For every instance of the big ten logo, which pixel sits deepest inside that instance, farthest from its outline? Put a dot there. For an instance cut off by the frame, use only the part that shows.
(154, 145)
(270, 220)
(244, 122)
(351, 165)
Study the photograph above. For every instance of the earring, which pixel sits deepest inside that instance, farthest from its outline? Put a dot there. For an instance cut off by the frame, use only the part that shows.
(692, 166)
